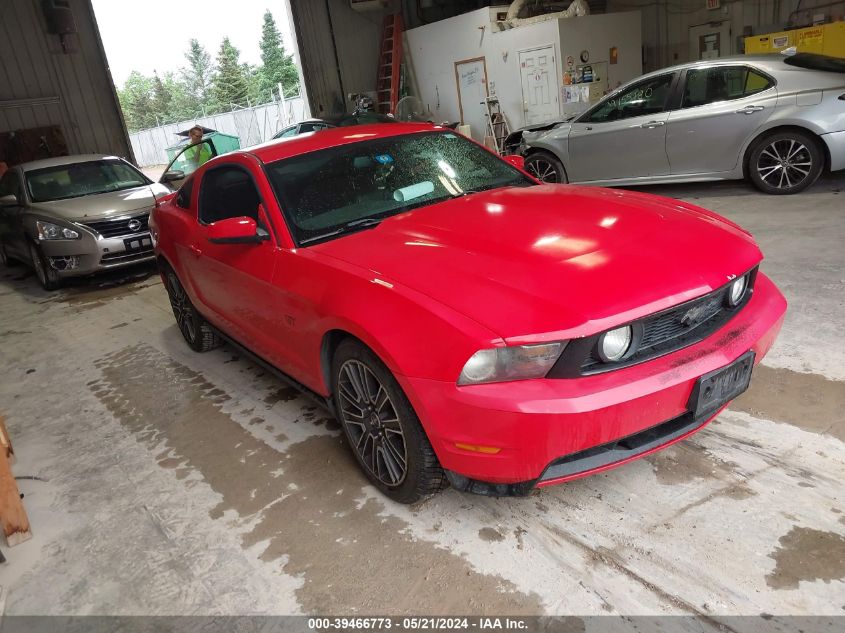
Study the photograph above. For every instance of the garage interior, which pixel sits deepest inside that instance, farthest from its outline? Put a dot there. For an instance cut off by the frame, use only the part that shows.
(157, 481)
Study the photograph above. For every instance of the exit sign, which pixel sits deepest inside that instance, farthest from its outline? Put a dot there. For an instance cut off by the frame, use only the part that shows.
(714, 4)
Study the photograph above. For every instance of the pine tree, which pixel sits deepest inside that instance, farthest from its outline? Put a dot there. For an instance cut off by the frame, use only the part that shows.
(162, 99)
(197, 77)
(230, 83)
(278, 67)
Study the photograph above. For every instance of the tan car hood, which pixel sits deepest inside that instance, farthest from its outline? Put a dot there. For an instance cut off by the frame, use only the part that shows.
(103, 205)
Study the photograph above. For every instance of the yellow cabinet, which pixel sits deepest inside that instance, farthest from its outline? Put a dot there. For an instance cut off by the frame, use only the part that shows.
(824, 39)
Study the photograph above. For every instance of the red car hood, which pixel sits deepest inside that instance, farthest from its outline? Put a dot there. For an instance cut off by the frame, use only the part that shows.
(551, 262)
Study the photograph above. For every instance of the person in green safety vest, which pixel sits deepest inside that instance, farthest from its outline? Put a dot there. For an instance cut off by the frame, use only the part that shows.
(199, 154)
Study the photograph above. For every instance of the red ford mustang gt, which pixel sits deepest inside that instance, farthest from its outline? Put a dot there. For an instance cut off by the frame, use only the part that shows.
(463, 322)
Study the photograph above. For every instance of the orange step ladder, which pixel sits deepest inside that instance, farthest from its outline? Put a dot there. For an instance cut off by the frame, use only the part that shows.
(389, 64)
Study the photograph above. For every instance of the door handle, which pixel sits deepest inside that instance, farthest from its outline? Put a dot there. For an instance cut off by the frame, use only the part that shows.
(750, 109)
(652, 124)
(195, 250)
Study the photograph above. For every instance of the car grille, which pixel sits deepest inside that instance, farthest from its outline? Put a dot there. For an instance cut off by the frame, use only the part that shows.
(112, 259)
(656, 335)
(120, 226)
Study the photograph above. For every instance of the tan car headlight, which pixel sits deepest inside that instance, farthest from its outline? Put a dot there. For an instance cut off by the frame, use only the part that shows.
(50, 231)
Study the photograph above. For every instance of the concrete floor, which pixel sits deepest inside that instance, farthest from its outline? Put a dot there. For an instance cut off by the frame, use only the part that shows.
(168, 482)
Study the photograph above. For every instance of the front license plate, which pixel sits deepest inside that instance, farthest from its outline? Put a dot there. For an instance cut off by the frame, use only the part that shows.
(715, 389)
(140, 243)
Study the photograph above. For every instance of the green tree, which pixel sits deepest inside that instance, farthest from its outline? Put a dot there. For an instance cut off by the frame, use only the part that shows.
(162, 99)
(277, 66)
(197, 76)
(230, 84)
(181, 106)
(137, 101)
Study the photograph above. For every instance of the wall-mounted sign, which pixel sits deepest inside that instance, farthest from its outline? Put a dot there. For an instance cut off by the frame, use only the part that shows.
(713, 4)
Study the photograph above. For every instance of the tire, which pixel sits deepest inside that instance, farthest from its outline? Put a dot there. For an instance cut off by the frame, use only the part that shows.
(383, 431)
(5, 260)
(47, 277)
(785, 162)
(196, 331)
(546, 167)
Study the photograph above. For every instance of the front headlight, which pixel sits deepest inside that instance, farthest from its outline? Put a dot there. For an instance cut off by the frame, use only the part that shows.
(613, 345)
(737, 291)
(50, 231)
(500, 364)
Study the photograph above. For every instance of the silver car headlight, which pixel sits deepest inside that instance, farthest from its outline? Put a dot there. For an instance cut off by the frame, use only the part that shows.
(50, 231)
(501, 364)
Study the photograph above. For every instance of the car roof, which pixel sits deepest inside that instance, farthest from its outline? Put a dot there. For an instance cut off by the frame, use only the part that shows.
(65, 160)
(278, 149)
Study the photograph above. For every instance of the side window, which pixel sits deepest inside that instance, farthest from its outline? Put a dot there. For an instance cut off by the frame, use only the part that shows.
(192, 157)
(228, 192)
(755, 82)
(310, 127)
(645, 98)
(10, 184)
(291, 131)
(183, 196)
(721, 83)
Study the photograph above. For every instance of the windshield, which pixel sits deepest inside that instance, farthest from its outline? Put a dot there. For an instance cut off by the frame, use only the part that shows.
(340, 189)
(82, 179)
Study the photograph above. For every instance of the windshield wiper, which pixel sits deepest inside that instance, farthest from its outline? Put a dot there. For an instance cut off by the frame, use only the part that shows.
(363, 223)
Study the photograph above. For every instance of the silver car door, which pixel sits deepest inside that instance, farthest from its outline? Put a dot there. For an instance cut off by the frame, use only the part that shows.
(624, 135)
(722, 107)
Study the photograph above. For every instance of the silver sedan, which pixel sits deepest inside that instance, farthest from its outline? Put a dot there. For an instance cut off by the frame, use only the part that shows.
(778, 120)
(76, 215)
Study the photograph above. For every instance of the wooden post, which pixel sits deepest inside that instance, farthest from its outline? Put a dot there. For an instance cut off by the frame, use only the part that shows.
(12, 513)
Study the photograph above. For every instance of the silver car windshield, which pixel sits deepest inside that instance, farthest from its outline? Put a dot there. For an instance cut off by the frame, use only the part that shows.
(82, 179)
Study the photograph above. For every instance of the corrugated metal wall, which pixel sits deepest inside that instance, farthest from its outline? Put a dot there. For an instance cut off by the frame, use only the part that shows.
(338, 49)
(40, 85)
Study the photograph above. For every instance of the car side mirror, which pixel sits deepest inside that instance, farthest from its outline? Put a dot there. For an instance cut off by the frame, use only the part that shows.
(239, 230)
(516, 160)
(170, 176)
(9, 200)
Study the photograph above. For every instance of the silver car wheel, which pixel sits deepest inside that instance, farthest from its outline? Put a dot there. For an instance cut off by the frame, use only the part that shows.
(372, 422)
(542, 170)
(785, 163)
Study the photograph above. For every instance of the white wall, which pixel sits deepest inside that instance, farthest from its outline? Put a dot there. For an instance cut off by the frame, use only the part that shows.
(604, 31)
(434, 48)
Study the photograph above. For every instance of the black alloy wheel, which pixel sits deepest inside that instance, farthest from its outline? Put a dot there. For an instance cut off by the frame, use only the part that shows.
(545, 167)
(785, 163)
(196, 331)
(381, 427)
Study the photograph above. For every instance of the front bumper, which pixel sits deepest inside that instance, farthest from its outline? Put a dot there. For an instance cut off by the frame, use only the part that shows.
(92, 253)
(538, 425)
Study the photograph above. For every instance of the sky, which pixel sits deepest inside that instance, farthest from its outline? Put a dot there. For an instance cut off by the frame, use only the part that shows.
(154, 34)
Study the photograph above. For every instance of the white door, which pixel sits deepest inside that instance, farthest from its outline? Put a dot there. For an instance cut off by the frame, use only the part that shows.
(709, 41)
(538, 72)
(471, 77)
